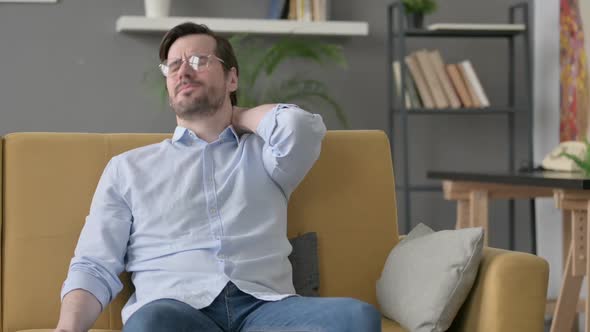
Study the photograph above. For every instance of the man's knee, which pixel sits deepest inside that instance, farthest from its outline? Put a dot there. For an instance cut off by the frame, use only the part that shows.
(361, 314)
(158, 315)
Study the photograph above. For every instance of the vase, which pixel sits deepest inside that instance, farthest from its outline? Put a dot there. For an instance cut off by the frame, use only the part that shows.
(157, 8)
(415, 20)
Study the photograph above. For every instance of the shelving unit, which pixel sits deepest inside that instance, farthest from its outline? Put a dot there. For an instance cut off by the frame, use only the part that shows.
(142, 24)
(396, 50)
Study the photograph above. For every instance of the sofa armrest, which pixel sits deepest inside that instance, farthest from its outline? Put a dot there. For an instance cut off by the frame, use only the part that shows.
(508, 295)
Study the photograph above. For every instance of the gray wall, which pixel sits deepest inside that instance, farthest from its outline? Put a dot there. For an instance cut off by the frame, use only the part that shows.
(64, 68)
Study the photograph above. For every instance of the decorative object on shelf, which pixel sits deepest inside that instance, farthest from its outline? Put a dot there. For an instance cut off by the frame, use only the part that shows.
(578, 152)
(475, 27)
(415, 11)
(259, 65)
(258, 69)
(157, 8)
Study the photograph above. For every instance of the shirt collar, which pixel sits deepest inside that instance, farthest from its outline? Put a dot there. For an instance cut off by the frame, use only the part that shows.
(182, 133)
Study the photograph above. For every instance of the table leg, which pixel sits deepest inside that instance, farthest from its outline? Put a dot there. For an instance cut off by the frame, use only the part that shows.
(462, 214)
(478, 211)
(583, 224)
(565, 310)
(566, 227)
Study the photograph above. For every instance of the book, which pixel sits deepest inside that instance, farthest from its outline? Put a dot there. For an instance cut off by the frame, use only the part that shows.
(285, 12)
(411, 89)
(315, 10)
(427, 68)
(474, 80)
(292, 9)
(421, 85)
(443, 78)
(320, 10)
(325, 12)
(459, 85)
(397, 75)
(475, 27)
(275, 11)
(306, 13)
(470, 88)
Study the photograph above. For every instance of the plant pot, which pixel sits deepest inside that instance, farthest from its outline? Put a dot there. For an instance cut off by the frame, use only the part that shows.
(157, 8)
(415, 20)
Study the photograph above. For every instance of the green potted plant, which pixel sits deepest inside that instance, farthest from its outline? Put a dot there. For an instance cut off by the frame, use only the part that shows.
(415, 11)
(261, 81)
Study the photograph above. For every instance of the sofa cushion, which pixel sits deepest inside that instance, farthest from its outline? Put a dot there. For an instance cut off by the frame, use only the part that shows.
(428, 275)
(304, 261)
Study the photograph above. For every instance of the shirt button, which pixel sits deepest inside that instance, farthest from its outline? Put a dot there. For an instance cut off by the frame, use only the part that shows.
(212, 210)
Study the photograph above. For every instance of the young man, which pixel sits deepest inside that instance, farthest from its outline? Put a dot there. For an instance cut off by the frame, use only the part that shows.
(200, 219)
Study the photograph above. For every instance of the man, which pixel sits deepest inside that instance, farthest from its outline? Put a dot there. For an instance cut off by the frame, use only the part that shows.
(200, 219)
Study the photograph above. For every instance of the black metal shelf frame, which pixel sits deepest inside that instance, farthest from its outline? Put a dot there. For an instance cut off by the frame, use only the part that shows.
(396, 50)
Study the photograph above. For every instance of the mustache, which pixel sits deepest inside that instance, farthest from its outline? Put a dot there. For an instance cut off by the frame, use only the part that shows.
(184, 82)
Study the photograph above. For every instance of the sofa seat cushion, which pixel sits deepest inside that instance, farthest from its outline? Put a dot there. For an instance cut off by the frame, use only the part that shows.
(387, 325)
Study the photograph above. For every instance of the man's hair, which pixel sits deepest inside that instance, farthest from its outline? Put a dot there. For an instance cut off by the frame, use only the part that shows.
(223, 48)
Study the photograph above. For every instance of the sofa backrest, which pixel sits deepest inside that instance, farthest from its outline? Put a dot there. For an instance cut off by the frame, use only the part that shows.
(49, 179)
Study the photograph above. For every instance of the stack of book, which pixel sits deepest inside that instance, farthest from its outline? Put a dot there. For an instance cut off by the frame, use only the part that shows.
(300, 10)
(431, 83)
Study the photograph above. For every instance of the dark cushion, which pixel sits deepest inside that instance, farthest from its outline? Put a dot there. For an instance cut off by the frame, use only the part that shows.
(304, 259)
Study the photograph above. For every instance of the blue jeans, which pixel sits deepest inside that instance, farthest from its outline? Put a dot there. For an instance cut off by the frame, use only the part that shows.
(236, 311)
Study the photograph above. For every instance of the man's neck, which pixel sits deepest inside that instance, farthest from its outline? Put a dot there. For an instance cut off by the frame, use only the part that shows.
(208, 127)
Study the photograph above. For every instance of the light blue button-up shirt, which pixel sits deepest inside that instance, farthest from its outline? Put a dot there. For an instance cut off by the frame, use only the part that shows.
(185, 216)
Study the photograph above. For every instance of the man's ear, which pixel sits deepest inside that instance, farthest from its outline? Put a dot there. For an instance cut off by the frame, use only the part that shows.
(232, 79)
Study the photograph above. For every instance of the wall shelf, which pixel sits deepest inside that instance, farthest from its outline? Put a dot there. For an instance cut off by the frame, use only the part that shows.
(142, 24)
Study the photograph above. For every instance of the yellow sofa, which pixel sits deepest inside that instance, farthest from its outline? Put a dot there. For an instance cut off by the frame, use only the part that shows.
(348, 198)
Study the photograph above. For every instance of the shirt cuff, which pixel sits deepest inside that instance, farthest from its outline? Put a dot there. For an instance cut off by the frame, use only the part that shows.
(269, 121)
(87, 282)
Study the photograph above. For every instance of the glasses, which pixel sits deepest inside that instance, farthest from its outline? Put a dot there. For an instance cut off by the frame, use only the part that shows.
(197, 62)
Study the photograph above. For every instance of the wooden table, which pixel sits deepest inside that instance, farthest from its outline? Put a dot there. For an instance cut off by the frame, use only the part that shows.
(571, 192)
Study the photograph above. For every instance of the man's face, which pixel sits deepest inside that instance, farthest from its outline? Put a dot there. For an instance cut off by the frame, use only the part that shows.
(201, 92)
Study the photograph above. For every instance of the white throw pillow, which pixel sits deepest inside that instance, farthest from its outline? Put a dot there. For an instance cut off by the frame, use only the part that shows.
(428, 276)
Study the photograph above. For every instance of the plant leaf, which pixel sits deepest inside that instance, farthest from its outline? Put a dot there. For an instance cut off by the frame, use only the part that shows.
(257, 60)
(308, 49)
(583, 164)
(156, 84)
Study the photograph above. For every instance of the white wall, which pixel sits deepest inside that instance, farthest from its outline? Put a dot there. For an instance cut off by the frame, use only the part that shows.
(546, 126)
(546, 129)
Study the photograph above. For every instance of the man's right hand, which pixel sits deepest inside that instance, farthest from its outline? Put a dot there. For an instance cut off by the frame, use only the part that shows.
(79, 310)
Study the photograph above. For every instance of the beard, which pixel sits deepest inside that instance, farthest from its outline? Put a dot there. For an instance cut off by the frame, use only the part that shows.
(198, 103)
